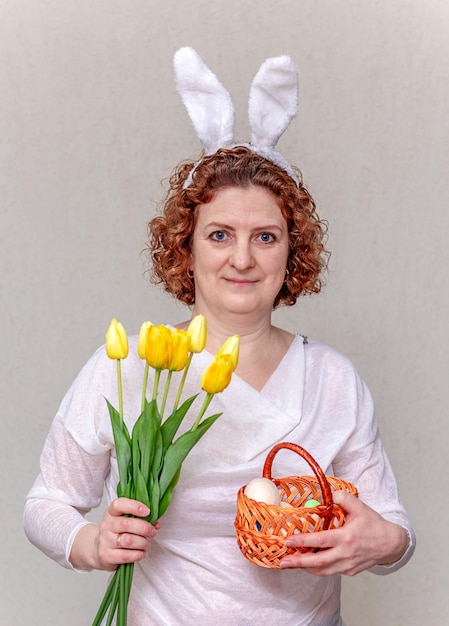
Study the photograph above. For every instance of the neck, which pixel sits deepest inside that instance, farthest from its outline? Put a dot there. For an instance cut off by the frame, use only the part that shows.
(262, 345)
(253, 331)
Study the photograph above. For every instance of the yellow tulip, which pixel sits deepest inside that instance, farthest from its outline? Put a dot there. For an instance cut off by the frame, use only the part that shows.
(231, 347)
(142, 341)
(179, 353)
(158, 346)
(197, 333)
(217, 376)
(116, 341)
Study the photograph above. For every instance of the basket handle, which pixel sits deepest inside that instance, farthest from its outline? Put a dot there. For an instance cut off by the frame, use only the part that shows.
(324, 484)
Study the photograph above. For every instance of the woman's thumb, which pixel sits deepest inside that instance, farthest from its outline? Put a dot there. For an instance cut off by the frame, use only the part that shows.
(346, 500)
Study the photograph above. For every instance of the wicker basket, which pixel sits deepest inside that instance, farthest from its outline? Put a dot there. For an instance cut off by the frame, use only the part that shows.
(261, 528)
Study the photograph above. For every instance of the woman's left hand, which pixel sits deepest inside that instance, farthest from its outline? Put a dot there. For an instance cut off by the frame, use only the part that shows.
(366, 539)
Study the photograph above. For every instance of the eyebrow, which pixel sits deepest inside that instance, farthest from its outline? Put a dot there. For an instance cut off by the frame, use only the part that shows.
(224, 226)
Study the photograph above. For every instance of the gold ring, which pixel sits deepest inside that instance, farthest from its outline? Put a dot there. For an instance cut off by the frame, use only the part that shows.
(117, 541)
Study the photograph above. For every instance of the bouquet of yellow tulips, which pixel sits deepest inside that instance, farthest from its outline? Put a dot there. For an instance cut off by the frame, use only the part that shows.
(150, 458)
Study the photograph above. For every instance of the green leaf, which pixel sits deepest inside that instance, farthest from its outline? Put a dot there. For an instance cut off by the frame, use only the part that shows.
(158, 455)
(122, 442)
(154, 500)
(149, 424)
(141, 488)
(172, 423)
(118, 420)
(135, 450)
(177, 452)
(166, 498)
(129, 491)
(170, 426)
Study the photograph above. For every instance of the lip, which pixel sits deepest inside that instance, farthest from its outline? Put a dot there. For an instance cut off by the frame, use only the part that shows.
(240, 281)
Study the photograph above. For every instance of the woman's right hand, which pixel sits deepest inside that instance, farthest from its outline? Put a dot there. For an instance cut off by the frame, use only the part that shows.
(117, 539)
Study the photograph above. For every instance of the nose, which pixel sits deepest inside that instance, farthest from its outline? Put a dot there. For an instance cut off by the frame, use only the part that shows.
(241, 256)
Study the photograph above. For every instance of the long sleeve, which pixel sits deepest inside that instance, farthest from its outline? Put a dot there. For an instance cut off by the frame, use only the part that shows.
(351, 429)
(78, 458)
(69, 485)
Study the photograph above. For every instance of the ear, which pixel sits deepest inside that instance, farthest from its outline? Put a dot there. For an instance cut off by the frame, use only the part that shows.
(273, 101)
(208, 103)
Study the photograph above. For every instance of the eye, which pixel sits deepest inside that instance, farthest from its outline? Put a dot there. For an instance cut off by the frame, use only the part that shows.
(267, 238)
(218, 235)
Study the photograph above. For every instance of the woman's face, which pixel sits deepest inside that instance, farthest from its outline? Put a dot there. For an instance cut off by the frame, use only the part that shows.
(239, 252)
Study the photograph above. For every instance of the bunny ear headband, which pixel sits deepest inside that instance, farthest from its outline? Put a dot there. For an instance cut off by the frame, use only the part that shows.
(273, 103)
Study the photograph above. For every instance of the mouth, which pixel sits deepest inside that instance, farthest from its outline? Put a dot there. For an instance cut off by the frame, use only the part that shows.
(240, 281)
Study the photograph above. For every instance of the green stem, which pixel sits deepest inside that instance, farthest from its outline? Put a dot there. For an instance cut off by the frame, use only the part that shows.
(145, 385)
(166, 388)
(203, 409)
(120, 388)
(125, 589)
(108, 599)
(183, 380)
(114, 600)
(157, 376)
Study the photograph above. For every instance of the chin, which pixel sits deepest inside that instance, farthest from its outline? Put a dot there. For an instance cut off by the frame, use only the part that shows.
(244, 308)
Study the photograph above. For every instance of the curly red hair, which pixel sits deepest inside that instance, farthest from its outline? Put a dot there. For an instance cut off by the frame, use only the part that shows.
(170, 233)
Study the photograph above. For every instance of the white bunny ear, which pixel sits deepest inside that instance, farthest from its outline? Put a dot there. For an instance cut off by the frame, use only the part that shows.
(208, 103)
(273, 101)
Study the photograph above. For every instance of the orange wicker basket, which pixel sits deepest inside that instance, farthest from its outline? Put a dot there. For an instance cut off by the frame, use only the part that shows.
(261, 528)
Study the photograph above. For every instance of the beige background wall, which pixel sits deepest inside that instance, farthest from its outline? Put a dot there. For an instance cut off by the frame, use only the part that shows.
(89, 125)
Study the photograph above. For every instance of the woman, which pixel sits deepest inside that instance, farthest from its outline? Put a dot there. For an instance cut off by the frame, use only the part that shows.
(237, 237)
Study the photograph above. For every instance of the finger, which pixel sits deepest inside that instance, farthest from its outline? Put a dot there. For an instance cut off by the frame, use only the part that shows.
(128, 555)
(347, 501)
(132, 526)
(318, 540)
(127, 541)
(127, 506)
(319, 564)
(320, 561)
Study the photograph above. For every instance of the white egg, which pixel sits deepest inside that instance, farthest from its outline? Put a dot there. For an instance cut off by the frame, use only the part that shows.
(262, 490)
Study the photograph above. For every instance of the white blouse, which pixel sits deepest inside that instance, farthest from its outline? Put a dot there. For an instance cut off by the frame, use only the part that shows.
(194, 572)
